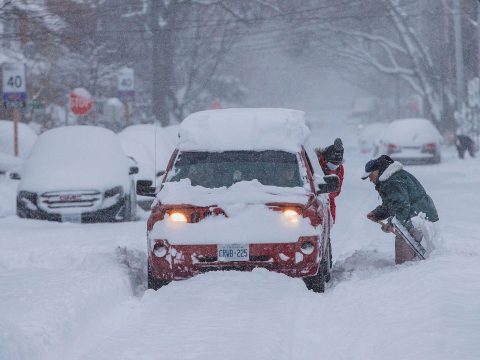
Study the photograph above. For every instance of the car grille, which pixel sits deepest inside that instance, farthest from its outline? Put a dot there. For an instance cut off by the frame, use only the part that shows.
(70, 199)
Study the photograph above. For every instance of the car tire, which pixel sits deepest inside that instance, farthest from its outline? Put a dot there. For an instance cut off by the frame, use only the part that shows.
(316, 283)
(133, 203)
(327, 263)
(154, 283)
(127, 210)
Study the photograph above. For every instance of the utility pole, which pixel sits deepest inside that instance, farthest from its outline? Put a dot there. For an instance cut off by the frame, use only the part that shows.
(457, 25)
(478, 40)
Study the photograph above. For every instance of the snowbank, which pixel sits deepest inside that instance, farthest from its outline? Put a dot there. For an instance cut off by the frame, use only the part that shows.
(26, 138)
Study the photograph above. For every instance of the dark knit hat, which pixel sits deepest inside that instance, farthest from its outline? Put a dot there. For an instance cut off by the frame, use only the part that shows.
(334, 153)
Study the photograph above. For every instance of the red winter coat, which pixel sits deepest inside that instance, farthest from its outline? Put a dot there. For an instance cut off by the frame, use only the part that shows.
(339, 172)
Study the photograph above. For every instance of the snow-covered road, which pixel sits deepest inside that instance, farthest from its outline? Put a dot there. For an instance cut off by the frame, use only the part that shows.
(77, 292)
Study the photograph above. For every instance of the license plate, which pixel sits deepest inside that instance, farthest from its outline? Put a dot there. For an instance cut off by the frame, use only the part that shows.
(72, 218)
(233, 252)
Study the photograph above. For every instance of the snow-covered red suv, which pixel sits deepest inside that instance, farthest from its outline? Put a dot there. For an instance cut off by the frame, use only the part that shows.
(242, 190)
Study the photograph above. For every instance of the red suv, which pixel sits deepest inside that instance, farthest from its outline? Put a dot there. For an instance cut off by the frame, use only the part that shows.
(256, 200)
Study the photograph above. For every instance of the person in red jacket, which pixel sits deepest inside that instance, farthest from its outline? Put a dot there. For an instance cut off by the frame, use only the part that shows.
(331, 161)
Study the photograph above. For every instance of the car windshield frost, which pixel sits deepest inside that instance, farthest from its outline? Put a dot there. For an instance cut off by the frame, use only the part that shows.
(218, 169)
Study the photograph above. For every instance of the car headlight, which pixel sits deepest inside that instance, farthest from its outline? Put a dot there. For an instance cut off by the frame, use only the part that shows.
(29, 199)
(177, 217)
(113, 191)
(291, 215)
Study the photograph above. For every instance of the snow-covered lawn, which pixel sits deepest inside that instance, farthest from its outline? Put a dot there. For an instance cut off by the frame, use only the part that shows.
(78, 291)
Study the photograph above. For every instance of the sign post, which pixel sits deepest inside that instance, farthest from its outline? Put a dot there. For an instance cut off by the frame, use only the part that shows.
(14, 95)
(126, 89)
(474, 104)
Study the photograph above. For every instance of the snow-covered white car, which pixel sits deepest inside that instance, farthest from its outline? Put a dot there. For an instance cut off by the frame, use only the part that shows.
(151, 146)
(242, 190)
(77, 174)
(369, 137)
(412, 141)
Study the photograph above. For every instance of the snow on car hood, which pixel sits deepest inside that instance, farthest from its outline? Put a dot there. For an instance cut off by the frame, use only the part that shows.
(244, 129)
(243, 192)
(246, 224)
(249, 219)
(75, 158)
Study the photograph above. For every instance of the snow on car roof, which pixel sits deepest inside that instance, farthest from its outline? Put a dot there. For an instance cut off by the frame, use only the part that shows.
(411, 132)
(244, 129)
(75, 157)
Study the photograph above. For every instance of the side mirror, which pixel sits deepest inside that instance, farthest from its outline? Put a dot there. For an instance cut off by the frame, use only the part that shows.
(133, 170)
(331, 184)
(160, 173)
(15, 176)
(145, 188)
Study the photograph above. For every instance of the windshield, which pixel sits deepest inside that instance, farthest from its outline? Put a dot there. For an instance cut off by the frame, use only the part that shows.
(218, 169)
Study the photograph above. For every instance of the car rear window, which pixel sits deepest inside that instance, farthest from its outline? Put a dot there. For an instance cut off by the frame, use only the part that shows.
(219, 169)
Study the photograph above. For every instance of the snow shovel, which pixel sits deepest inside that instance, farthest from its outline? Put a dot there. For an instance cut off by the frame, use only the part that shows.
(403, 233)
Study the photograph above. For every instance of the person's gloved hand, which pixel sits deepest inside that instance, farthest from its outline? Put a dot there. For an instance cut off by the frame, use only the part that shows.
(371, 216)
(387, 228)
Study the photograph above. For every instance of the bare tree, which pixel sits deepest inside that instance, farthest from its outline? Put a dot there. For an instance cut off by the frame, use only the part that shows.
(190, 39)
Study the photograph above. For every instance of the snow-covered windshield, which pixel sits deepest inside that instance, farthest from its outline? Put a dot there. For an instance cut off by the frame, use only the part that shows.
(219, 169)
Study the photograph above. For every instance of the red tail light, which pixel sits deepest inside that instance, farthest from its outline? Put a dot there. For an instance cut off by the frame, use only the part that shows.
(392, 148)
(429, 148)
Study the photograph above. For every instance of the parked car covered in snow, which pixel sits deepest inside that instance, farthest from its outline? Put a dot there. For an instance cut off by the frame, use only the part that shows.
(369, 137)
(412, 141)
(77, 174)
(242, 190)
(151, 146)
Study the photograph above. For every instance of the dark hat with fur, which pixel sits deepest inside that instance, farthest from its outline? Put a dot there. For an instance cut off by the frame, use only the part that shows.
(380, 164)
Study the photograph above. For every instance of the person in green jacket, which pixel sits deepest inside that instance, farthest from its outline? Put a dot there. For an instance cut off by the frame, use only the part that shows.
(402, 197)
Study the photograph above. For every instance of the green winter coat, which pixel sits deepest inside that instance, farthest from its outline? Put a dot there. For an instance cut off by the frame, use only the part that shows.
(403, 196)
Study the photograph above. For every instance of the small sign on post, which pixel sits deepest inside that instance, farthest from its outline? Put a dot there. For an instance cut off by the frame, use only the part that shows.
(14, 94)
(126, 85)
(14, 85)
(81, 102)
(126, 89)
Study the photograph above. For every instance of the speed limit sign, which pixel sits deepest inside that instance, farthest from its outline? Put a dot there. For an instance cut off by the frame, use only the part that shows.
(126, 84)
(14, 86)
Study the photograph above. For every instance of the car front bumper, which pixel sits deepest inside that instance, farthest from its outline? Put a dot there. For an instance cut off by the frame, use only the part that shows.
(185, 261)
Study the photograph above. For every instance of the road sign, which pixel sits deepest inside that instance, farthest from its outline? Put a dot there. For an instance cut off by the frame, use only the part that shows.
(126, 84)
(14, 85)
(81, 102)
